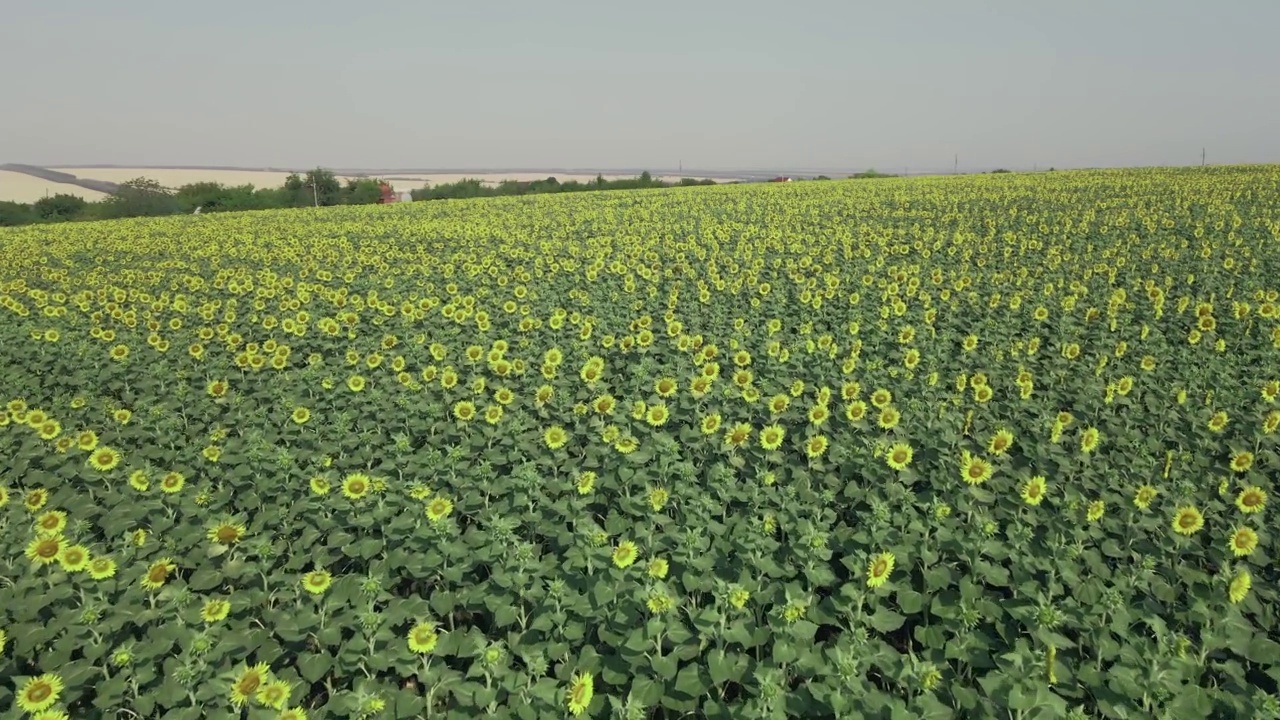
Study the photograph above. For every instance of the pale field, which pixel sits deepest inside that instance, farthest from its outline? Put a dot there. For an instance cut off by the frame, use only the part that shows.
(413, 181)
(18, 187)
(177, 177)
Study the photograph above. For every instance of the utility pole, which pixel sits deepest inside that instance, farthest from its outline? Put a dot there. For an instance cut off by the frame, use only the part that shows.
(955, 170)
(1201, 157)
(315, 194)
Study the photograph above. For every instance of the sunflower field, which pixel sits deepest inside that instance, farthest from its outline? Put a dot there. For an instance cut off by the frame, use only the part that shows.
(967, 447)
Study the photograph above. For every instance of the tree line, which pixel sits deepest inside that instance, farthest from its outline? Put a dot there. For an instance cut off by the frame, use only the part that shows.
(473, 188)
(144, 197)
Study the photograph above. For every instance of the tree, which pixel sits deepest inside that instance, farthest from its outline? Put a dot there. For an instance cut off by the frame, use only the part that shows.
(58, 207)
(363, 191)
(321, 187)
(12, 213)
(140, 197)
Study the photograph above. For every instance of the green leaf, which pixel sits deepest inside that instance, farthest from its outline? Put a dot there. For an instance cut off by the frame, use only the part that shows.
(910, 601)
(665, 666)
(313, 666)
(690, 681)
(886, 620)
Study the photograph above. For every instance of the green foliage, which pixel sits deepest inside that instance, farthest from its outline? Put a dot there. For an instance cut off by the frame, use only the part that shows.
(58, 208)
(474, 188)
(140, 197)
(13, 213)
(721, 464)
(144, 197)
(361, 191)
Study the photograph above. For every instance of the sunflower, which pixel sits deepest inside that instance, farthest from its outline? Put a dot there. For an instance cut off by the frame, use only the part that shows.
(50, 429)
(423, 637)
(738, 435)
(973, 469)
(855, 411)
(555, 437)
(778, 403)
(4, 496)
(1187, 521)
(44, 550)
(52, 522)
(581, 690)
(356, 383)
(300, 415)
(982, 393)
(1241, 461)
(293, 713)
(1239, 587)
(1033, 490)
(899, 456)
(879, 568)
(1089, 440)
(247, 683)
(1000, 442)
(1145, 495)
(818, 414)
(771, 437)
(39, 693)
(657, 568)
(158, 574)
(317, 581)
(881, 398)
(666, 387)
(625, 554)
(888, 417)
(104, 459)
(215, 610)
(172, 482)
(710, 424)
(439, 508)
(274, 695)
(1095, 511)
(1243, 541)
(658, 414)
(1251, 499)
(657, 498)
(464, 410)
(226, 533)
(1218, 422)
(356, 486)
(217, 388)
(1271, 422)
(101, 568)
(74, 558)
(815, 446)
(586, 482)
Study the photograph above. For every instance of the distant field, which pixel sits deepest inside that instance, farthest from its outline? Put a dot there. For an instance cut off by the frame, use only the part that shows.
(175, 177)
(401, 181)
(411, 181)
(17, 187)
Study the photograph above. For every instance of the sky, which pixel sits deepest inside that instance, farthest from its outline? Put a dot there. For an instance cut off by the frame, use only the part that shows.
(706, 84)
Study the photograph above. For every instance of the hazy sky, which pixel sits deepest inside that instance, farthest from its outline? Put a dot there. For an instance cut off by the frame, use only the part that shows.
(602, 84)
